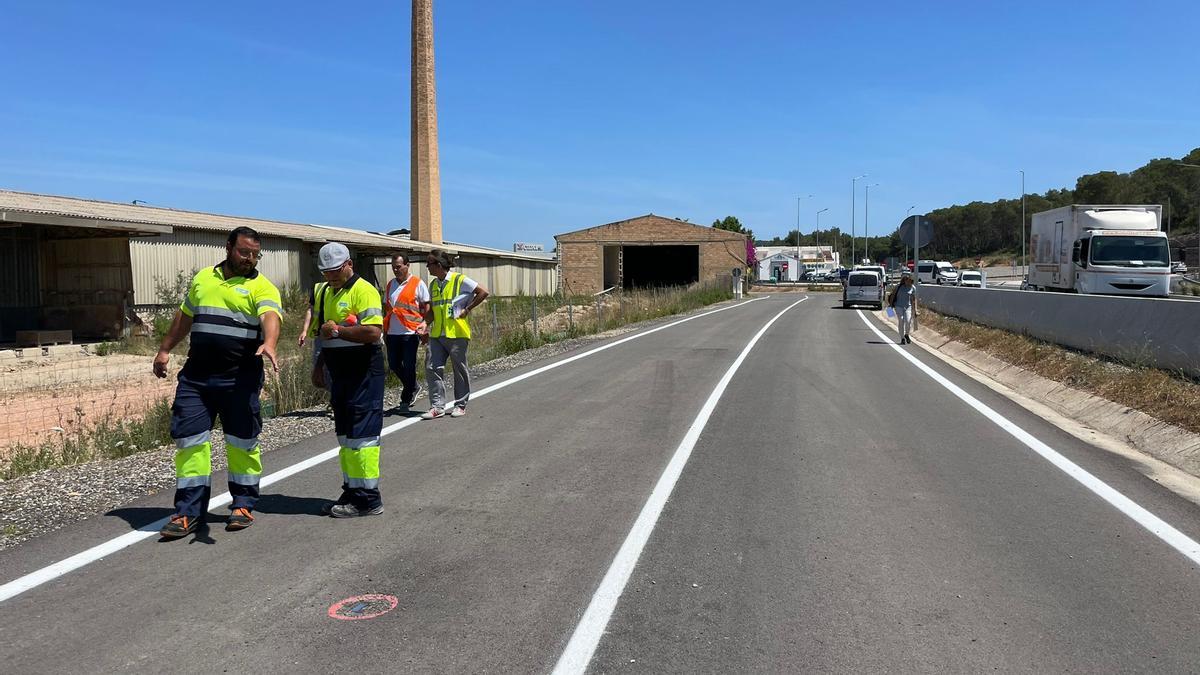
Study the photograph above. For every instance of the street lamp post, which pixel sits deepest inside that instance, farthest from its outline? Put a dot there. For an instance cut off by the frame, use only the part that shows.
(1195, 166)
(798, 233)
(916, 256)
(867, 222)
(853, 198)
(818, 230)
(1023, 262)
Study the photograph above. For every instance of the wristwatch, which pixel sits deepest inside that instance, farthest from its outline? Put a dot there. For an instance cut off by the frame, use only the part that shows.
(335, 333)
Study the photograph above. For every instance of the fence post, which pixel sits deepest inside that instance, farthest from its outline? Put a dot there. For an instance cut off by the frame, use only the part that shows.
(599, 317)
(533, 314)
(621, 300)
(570, 317)
(495, 324)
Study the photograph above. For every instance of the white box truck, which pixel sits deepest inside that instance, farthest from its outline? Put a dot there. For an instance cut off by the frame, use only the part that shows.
(1088, 248)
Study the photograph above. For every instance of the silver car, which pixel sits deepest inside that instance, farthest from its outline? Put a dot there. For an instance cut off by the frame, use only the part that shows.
(863, 288)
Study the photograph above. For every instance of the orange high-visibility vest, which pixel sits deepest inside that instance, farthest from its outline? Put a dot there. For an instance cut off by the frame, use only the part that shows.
(405, 310)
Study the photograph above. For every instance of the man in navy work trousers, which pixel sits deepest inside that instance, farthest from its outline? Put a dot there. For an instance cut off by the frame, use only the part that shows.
(350, 317)
(233, 314)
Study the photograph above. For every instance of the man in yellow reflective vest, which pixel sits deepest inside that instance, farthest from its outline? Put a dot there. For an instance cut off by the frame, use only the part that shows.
(233, 314)
(405, 301)
(350, 316)
(453, 295)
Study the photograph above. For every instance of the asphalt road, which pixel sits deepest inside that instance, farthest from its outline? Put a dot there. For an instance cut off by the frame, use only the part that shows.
(841, 511)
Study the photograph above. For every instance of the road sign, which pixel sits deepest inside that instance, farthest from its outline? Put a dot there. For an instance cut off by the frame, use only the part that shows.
(910, 227)
(737, 271)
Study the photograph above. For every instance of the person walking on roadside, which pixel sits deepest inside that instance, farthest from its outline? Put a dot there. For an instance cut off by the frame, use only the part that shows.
(350, 316)
(903, 299)
(233, 314)
(454, 295)
(405, 302)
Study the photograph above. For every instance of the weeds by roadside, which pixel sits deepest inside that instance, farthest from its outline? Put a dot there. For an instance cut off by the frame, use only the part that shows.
(501, 326)
(1173, 398)
(110, 437)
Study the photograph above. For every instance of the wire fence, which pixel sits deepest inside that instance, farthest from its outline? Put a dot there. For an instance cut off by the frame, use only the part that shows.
(68, 404)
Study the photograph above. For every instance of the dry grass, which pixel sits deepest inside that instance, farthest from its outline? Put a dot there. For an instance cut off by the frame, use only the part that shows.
(1171, 397)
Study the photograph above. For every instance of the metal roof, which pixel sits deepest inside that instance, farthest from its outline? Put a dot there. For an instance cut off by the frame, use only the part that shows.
(56, 210)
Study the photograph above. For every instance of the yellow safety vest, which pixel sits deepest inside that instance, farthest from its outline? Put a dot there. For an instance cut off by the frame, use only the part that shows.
(443, 293)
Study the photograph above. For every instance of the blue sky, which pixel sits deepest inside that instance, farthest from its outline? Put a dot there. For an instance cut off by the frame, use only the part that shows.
(558, 114)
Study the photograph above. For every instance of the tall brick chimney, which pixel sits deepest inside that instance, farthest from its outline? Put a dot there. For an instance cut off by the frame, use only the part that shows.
(425, 215)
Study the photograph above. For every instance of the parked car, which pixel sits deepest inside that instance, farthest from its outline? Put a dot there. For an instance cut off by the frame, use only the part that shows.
(972, 279)
(863, 287)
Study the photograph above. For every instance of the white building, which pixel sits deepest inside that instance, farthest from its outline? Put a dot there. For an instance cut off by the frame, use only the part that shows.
(787, 263)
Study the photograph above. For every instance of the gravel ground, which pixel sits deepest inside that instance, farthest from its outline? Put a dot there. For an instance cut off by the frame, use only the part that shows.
(45, 501)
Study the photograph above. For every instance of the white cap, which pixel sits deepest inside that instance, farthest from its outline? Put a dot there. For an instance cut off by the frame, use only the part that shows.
(332, 256)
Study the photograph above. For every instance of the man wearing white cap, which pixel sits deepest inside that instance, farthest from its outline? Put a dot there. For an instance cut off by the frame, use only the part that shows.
(350, 316)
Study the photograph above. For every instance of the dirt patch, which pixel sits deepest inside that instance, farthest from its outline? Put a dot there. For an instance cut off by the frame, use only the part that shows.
(42, 398)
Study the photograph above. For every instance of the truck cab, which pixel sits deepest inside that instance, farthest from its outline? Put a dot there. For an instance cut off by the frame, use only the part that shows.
(1122, 262)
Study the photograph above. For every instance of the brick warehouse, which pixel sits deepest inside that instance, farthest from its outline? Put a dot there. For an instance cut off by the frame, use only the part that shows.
(646, 251)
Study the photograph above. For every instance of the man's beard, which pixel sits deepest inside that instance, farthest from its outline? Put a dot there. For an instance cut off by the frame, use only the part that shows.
(242, 267)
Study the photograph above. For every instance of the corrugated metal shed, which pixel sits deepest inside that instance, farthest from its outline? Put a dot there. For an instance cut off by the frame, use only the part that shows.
(188, 240)
(157, 261)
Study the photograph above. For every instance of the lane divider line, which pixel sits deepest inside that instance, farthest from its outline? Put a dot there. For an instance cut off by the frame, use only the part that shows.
(586, 636)
(72, 563)
(1139, 514)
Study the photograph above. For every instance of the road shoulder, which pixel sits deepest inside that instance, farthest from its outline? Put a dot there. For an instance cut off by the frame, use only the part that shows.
(1162, 452)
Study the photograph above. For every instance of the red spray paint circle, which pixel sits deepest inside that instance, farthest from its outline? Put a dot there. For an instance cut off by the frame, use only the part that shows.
(363, 607)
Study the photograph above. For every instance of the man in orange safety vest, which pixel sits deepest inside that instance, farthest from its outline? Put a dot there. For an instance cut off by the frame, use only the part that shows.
(405, 302)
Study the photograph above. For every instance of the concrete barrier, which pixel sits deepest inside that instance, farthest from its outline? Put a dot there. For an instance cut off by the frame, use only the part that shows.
(1159, 332)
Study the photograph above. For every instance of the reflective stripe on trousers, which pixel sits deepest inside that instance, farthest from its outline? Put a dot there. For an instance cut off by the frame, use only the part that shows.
(245, 460)
(360, 463)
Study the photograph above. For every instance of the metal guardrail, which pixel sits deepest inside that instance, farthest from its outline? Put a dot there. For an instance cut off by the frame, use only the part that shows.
(1158, 332)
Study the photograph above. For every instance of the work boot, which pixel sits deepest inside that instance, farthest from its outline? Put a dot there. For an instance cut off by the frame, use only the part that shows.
(179, 526)
(352, 511)
(240, 519)
(328, 508)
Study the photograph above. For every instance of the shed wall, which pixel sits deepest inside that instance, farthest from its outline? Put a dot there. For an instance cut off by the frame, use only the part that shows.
(185, 251)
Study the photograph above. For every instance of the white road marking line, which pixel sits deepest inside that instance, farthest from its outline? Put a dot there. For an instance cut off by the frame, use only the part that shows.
(1155, 525)
(55, 570)
(586, 637)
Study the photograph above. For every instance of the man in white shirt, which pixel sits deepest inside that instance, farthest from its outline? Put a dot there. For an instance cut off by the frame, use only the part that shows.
(405, 302)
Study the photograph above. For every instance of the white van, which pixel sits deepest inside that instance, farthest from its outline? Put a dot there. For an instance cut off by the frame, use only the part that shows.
(936, 272)
(972, 279)
(863, 287)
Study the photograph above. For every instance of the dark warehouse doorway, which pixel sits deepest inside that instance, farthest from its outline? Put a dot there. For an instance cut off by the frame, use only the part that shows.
(648, 266)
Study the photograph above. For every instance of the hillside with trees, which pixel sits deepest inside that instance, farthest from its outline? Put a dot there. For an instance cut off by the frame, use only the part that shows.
(981, 228)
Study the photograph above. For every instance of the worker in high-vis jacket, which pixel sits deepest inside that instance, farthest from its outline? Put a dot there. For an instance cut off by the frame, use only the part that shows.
(233, 314)
(405, 301)
(453, 295)
(350, 316)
